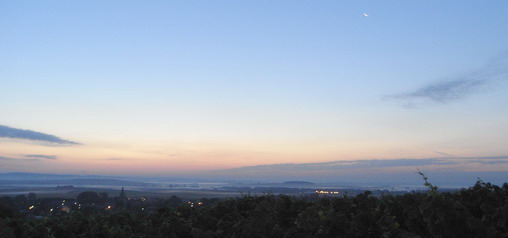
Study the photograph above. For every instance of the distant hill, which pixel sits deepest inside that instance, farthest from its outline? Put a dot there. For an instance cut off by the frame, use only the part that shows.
(399, 172)
(39, 176)
(74, 182)
(38, 179)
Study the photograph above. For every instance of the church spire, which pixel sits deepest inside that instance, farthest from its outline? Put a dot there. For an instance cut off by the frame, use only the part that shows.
(122, 193)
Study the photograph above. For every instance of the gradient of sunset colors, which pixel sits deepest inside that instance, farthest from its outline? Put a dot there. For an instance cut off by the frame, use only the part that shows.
(172, 87)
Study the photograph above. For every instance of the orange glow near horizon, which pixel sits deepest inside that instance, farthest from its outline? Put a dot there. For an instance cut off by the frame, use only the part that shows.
(180, 158)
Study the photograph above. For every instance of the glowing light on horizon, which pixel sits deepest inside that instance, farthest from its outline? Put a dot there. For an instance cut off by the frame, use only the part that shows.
(326, 192)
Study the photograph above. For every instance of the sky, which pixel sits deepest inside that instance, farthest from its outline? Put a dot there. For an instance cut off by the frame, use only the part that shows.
(175, 87)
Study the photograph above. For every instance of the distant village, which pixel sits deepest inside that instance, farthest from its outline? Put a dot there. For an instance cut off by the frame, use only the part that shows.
(89, 201)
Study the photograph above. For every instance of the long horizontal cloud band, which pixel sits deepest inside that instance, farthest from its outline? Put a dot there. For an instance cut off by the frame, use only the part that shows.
(366, 164)
(42, 156)
(9, 132)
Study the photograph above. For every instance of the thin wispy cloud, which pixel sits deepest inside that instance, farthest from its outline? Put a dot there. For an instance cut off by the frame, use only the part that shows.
(16, 159)
(353, 164)
(375, 164)
(494, 162)
(443, 153)
(14, 133)
(42, 156)
(487, 160)
(459, 87)
(115, 159)
(443, 170)
(445, 92)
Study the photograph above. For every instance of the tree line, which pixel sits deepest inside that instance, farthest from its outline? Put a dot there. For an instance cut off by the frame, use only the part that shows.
(478, 211)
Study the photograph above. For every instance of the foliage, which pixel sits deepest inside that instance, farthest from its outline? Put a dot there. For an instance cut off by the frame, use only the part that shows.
(479, 211)
(432, 188)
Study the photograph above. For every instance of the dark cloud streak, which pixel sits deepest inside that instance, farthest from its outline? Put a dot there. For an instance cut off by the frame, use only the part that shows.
(354, 164)
(16, 159)
(42, 156)
(9, 132)
(459, 87)
(375, 164)
(445, 92)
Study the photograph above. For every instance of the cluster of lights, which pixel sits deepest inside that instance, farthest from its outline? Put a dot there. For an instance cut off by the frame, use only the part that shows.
(192, 204)
(326, 192)
(31, 207)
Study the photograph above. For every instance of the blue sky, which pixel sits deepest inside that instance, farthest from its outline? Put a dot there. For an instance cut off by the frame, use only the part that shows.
(197, 85)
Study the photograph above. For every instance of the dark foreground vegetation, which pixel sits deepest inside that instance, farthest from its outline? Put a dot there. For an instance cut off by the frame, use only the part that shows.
(480, 211)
